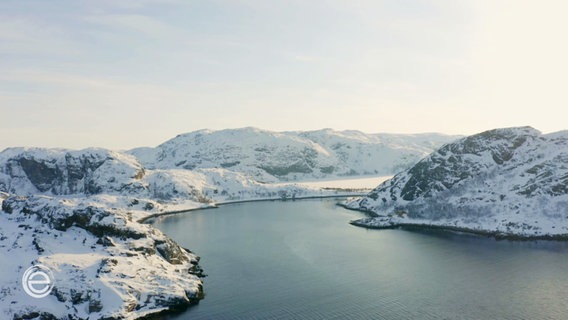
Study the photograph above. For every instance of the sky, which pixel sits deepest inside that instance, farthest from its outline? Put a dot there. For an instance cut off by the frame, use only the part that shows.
(130, 73)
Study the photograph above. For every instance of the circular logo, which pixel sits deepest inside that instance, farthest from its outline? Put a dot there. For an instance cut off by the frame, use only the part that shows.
(37, 281)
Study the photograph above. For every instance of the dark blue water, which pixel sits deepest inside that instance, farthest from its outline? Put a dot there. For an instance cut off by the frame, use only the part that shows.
(302, 260)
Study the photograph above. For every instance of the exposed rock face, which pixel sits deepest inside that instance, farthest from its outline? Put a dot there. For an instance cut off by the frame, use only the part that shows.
(105, 265)
(512, 181)
(61, 172)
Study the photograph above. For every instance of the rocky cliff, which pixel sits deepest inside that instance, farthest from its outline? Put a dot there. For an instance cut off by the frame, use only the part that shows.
(63, 172)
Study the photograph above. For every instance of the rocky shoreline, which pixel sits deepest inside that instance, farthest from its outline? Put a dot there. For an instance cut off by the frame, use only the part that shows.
(509, 183)
(119, 240)
(377, 222)
(106, 265)
(493, 234)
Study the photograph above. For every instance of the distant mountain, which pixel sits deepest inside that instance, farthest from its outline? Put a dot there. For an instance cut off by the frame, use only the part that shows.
(287, 156)
(508, 182)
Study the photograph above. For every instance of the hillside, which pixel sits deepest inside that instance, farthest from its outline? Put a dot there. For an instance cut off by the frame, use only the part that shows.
(207, 166)
(64, 172)
(105, 264)
(91, 172)
(289, 156)
(508, 182)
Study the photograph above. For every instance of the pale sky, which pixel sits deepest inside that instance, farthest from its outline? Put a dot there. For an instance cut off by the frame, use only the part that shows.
(122, 74)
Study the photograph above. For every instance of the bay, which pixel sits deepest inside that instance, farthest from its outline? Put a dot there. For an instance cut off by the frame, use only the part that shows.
(302, 260)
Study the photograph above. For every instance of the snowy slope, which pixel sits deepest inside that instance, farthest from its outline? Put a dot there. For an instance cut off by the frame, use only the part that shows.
(511, 181)
(105, 264)
(90, 172)
(284, 156)
(383, 154)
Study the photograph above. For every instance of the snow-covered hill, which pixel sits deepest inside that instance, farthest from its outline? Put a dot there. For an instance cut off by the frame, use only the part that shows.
(105, 264)
(288, 156)
(212, 165)
(89, 172)
(507, 182)
(63, 172)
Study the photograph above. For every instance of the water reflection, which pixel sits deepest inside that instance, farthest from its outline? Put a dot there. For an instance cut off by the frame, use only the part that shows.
(302, 260)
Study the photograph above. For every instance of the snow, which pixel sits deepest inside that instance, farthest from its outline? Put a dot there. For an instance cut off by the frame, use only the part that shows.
(291, 156)
(509, 182)
(359, 183)
(91, 280)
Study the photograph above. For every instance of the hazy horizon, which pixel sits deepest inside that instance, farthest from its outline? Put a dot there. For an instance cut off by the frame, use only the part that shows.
(126, 74)
(144, 145)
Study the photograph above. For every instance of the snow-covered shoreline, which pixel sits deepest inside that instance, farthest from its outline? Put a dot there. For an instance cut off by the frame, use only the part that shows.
(105, 264)
(508, 183)
(364, 182)
(329, 188)
(385, 222)
(147, 219)
(113, 233)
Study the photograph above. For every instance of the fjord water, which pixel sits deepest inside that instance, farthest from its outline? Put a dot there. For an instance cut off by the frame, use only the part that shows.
(302, 260)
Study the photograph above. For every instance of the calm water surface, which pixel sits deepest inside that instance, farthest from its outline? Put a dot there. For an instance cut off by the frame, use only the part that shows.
(302, 260)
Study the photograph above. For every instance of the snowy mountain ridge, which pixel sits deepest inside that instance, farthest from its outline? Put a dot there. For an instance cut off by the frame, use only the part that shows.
(508, 182)
(206, 166)
(290, 156)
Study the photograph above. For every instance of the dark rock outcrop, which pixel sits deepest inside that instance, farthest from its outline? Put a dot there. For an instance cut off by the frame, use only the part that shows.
(62, 172)
(512, 181)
